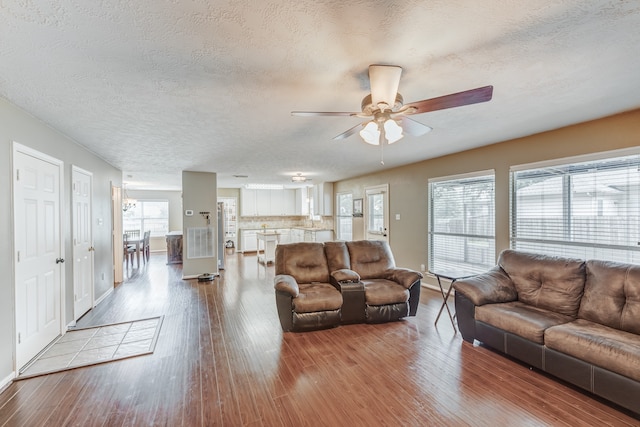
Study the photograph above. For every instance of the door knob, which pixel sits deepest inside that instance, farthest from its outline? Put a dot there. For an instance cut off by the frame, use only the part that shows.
(91, 249)
(59, 260)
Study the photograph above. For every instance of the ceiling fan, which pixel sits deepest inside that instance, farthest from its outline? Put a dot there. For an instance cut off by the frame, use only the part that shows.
(386, 113)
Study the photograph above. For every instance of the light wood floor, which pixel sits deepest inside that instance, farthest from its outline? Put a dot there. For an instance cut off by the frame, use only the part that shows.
(222, 359)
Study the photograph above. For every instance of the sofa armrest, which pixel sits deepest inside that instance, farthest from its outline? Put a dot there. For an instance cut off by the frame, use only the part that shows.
(403, 276)
(287, 284)
(494, 286)
(345, 275)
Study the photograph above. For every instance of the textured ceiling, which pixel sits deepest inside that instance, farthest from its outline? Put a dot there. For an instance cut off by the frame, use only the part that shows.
(156, 87)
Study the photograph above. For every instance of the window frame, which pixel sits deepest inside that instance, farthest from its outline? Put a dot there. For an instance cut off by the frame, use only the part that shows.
(570, 168)
(461, 265)
(141, 219)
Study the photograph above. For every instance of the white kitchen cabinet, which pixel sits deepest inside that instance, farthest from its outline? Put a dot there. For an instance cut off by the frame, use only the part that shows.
(323, 199)
(268, 202)
(310, 235)
(296, 235)
(263, 203)
(302, 201)
(285, 235)
(276, 203)
(248, 240)
(289, 202)
(324, 236)
(248, 205)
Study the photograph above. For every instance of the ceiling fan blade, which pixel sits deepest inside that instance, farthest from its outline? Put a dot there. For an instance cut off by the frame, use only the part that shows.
(349, 132)
(473, 96)
(414, 128)
(321, 113)
(384, 81)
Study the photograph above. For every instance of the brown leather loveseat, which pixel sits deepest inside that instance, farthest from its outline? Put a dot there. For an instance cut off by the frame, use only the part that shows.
(321, 285)
(577, 320)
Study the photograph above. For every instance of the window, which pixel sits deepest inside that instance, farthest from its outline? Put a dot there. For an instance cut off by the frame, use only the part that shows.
(344, 216)
(150, 215)
(462, 223)
(586, 210)
(375, 212)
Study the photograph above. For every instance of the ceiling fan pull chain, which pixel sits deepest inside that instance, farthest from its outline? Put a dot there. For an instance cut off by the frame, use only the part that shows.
(381, 153)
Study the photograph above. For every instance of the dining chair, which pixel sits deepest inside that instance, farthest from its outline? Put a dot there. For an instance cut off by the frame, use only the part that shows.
(129, 249)
(133, 234)
(146, 247)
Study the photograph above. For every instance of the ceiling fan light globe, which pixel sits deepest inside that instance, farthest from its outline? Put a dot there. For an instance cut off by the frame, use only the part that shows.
(371, 134)
(392, 131)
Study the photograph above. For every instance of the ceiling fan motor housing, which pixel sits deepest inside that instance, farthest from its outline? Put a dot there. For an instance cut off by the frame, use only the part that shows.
(369, 109)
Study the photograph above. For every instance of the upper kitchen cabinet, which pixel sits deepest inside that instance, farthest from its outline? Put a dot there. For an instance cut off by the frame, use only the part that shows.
(248, 202)
(268, 202)
(302, 201)
(323, 199)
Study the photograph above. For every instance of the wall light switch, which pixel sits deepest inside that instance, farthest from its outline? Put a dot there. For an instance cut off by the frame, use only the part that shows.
(397, 217)
(188, 212)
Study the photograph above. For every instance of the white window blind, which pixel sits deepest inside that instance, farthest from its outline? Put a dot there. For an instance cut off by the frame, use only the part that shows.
(462, 223)
(587, 210)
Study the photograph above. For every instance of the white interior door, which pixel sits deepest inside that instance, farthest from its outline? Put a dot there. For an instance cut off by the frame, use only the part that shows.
(82, 235)
(39, 271)
(376, 212)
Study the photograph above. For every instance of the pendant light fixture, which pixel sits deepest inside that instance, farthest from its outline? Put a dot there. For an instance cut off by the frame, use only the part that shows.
(127, 202)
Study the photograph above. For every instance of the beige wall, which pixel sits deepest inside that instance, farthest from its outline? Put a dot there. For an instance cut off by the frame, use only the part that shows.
(408, 184)
(19, 126)
(199, 194)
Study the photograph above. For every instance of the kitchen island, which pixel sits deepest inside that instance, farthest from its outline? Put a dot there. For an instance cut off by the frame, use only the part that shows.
(267, 251)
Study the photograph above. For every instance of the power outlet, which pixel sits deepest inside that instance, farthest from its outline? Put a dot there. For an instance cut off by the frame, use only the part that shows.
(422, 267)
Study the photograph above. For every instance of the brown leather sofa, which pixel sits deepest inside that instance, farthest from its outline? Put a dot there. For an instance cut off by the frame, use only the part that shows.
(321, 285)
(577, 320)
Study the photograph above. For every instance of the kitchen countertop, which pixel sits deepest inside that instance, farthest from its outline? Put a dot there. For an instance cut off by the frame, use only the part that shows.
(272, 229)
(313, 228)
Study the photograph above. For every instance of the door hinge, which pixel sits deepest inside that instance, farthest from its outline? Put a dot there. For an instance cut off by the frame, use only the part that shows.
(75, 297)
(19, 338)
(18, 256)
(17, 174)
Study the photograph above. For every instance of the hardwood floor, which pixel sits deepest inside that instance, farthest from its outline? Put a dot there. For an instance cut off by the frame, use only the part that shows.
(222, 359)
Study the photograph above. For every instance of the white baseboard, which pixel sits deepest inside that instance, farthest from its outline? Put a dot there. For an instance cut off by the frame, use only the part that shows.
(436, 287)
(195, 276)
(430, 286)
(102, 298)
(7, 381)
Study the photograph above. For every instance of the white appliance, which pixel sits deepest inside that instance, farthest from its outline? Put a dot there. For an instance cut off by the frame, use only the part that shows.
(221, 236)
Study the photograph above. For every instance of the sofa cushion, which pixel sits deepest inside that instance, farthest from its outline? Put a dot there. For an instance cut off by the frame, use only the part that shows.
(337, 256)
(317, 297)
(305, 261)
(382, 291)
(370, 258)
(612, 295)
(600, 345)
(520, 319)
(552, 283)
